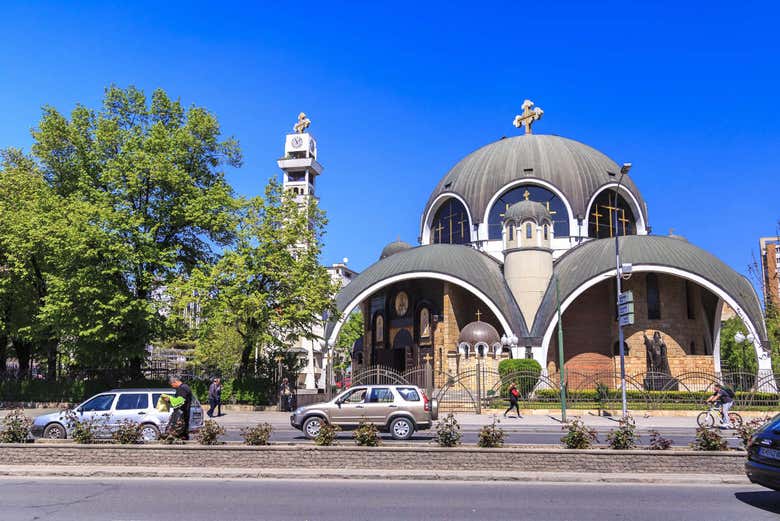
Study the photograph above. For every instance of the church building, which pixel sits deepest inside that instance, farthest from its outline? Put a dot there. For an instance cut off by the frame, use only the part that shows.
(521, 226)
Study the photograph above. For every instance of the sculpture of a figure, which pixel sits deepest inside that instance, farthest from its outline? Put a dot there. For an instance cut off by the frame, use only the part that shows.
(657, 361)
(425, 323)
(303, 123)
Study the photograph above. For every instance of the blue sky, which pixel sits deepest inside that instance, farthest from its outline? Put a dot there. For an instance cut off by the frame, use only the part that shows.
(399, 93)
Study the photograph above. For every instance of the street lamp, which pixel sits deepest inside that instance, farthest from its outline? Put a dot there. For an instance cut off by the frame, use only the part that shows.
(618, 272)
(740, 338)
(511, 341)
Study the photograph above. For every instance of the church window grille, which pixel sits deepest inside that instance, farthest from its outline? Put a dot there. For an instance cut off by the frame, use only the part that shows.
(554, 204)
(601, 222)
(528, 231)
(450, 224)
(653, 297)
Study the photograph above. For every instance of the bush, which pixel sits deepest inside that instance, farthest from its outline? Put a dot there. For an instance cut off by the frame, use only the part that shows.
(748, 429)
(327, 435)
(15, 427)
(82, 431)
(708, 439)
(658, 442)
(624, 437)
(210, 432)
(578, 435)
(366, 435)
(491, 436)
(523, 371)
(169, 437)
(257, 435)
(448, 432)
(128, 432)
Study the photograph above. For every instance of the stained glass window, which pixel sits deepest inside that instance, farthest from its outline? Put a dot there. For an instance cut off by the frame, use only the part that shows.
(451, 224)
(553, 203)
(601, 221)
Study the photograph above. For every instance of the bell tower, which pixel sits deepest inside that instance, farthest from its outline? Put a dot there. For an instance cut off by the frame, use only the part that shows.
(299, 163)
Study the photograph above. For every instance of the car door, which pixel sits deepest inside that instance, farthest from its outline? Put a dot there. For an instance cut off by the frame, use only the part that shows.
(130, 406)
(379, 405)
(97, 411)
(352, 408)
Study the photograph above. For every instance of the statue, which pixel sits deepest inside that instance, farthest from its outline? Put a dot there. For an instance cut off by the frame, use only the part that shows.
(425, 324)
(303, 123)
(658, 362)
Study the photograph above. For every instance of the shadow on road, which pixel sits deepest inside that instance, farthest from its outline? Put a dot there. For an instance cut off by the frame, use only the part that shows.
(765, 500)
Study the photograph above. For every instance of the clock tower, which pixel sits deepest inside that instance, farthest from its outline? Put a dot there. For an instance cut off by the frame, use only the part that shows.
(299, 163)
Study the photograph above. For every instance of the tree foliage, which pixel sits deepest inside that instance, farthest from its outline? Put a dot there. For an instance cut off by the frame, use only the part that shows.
(736, 356)
(350, 332)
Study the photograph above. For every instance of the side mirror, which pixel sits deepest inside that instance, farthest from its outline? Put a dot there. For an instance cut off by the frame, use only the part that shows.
(79, 410)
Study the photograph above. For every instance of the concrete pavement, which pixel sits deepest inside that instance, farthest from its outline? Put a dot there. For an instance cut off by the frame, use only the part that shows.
(318, 500)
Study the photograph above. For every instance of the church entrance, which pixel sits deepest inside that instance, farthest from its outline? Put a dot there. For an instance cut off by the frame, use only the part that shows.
(402, 343)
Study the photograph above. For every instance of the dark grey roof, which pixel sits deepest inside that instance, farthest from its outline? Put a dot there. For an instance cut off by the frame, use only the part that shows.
(576, 169)
(477, 332)
(523, 210)
(462, 262)
(597, 257)
(394, 247)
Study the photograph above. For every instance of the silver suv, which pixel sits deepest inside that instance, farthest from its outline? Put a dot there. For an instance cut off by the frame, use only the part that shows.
(397, 409)
(107, 409)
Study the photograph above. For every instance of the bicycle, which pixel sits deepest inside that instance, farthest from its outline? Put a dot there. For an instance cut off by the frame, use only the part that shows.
(714, 414)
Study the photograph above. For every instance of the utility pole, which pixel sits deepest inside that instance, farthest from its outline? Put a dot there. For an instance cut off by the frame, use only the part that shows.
(561, 370)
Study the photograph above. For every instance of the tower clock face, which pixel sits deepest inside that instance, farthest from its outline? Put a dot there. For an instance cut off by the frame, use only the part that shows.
(296, 142)
(401, 303)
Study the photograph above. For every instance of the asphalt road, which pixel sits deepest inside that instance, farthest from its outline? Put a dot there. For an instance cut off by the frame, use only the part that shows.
(316, 500)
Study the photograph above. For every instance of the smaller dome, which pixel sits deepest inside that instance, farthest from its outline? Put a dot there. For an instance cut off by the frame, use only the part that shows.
(479, 332)
(525, 210)
(394, 247)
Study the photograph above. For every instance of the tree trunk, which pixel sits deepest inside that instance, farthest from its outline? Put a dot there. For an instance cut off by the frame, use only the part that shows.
(23, 355)
(3, 354)
(51, 359)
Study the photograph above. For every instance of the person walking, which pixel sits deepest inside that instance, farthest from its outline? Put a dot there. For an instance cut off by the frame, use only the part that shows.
(514, 396)
(215, 398)
(285, 395)
(179, 423)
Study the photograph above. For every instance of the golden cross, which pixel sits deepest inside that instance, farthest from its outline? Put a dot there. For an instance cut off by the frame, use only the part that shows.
(527, 118)
(479, 315)
(552, 212)
(596, 214)
(506, 209)
(526, 194)
(427, 357)
(462, 229)
(439, 229)
(623, 219)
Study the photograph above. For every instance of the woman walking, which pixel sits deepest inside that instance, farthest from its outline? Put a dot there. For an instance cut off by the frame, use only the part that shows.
(514, 396)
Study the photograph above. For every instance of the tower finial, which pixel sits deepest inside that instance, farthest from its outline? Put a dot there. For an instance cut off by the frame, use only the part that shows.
(303, 123)
(528, 117)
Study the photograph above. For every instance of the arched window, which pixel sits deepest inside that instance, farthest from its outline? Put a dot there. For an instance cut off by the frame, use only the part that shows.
(653, 297)
(545, 232)
(601, 221)
(529, 230)
(451, 224)
(511, 231)
(536, 193)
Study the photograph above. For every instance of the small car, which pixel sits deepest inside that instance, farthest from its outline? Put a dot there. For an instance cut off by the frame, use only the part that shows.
(397, 409)
(763, 464)
(108, 409)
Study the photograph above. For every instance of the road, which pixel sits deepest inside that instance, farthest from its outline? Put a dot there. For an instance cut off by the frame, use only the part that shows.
(315, 500)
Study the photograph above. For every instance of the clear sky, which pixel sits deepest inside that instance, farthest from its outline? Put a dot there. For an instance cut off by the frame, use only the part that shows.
(397, 94)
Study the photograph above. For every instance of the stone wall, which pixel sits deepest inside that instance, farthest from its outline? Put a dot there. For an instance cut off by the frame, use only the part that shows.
(401, 458)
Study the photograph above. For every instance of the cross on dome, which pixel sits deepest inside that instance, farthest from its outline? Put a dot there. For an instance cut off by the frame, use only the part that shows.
(528, 117)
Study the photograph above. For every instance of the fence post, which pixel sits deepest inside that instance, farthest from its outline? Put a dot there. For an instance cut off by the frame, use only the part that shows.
(479, 387)
(428, 376)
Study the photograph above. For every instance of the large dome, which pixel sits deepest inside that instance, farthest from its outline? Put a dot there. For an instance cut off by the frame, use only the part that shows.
(576, 170)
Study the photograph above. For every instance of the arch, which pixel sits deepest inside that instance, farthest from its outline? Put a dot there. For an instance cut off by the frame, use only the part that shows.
(403, 339)
(764, 362)
(639, 214)
(535, 182)
(360, 297)
(427, 219)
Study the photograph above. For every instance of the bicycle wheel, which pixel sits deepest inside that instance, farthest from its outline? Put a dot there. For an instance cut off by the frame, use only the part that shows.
(705, 419)
(735, 419)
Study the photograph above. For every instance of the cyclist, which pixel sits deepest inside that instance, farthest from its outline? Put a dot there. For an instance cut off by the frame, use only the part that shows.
(724, 398)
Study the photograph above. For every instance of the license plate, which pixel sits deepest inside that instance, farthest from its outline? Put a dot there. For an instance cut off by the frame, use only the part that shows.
(769, 453)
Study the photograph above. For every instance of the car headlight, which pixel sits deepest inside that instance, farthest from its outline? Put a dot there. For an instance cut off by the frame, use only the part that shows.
(298, 411)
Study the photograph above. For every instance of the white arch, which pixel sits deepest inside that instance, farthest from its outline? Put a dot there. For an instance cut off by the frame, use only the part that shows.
(363, 295)
(641, 225)
(425, 233)
(537, 182)
(764, 364)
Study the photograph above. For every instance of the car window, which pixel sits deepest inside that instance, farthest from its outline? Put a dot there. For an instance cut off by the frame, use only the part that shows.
(381, 395)
(132, 401)
(355, 396)
(98, 403)
(409, 394)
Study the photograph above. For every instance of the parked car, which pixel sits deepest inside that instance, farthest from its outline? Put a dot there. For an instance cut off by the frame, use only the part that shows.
(397, 409)
(763, 464)
(108, 409)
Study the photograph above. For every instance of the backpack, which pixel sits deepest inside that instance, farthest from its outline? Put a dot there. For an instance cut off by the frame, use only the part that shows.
(730, 392)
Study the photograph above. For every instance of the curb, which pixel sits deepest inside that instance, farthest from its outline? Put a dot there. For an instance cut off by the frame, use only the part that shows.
(16, 471)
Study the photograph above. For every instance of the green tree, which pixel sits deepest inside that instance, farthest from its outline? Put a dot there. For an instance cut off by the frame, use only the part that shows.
(269, 286)
(350, 332)
(736, 356)
(150, 203)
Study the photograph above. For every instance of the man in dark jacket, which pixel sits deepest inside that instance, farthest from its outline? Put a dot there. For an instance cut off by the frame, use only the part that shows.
(179, 423)
(215, 398)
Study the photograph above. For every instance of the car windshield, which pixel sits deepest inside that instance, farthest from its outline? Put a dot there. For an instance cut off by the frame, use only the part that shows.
(98, 403)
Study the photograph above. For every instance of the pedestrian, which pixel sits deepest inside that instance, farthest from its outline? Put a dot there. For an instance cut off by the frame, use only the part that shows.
(215, 398)
(514, 396)
(285, 395)
(179, 423)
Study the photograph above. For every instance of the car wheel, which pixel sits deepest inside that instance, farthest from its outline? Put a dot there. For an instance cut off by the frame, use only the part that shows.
(150, 432)
(312, 426)
(401, 428)
(54, 431)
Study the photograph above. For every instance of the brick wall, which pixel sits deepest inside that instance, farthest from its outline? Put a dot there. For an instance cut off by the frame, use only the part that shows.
(401, 458)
